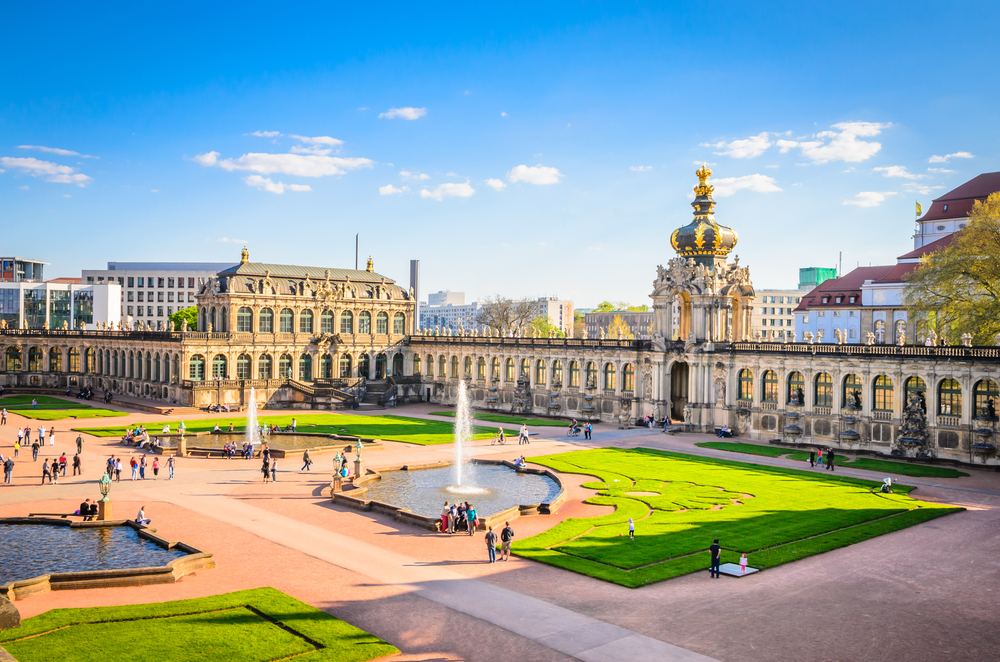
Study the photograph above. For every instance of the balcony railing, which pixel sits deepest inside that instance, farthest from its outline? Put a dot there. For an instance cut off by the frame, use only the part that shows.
(879, 415)
(950, 421)
(923, 351)
(821, 410)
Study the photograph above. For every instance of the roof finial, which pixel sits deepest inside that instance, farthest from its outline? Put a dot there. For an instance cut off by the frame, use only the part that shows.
(371, 265)
(703, 187)
(244, 255)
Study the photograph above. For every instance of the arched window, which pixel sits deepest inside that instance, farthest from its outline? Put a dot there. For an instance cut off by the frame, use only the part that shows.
(525, 367)
(591, 375)
(122, 372)
(285, 366)
(914, 387)
(306, 321)
(36, 360)
(557, 373)
(399, 324)
(55, 360)
(746, 385)
(345, 365)
(416, 364)
(156, 367)
(286, 320)
(204, 317)
(100, 361)
(265, 366)
(949, 398)
(211, 320)
(574, 374)
(14, 359)
(540, 372)
(609, 377)
(219, 367)
(882, 393)
(347, 322)
(823, 393)
(74, 359)
(244, 320)
(196, 368)
(364, 366)
(326, 321)
(494, 369)
(305, 368)
(365, 322)
(509, 371)
(147, 375)
(442, 366)
(397, 365)
(454, 367)
(852, 392)
(769, 386)
(131, 363)
(430, 365)
(326, 367)
(175, 374)
(266, 320)
(986, 394)
(468, 367)
(382, 323)
(481, 368)
(796, 388)
(628, 377)
(223, 319)
(243, 366)
(880, 331)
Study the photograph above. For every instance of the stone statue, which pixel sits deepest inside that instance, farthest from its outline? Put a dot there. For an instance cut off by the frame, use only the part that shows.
(800, 396)
(46, 325)
(184, 326)
(65, 325)
(687, 415)
(209, 327)
(791, 334)
(720, 391)
(170, 325)
(602, 334)
(901, 338)
(966, 340)
(869, 338)
(3, 325)
(584, 336)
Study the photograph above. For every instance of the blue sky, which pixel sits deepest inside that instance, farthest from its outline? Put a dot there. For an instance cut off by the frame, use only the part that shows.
(524, 149)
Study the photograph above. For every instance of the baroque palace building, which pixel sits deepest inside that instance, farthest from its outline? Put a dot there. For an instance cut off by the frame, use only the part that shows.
(315, 338)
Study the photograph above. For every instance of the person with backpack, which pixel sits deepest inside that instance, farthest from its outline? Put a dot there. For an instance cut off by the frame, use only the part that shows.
(506, 536)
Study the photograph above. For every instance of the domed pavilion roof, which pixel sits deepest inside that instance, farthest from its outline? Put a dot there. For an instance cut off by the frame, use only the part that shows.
(703, 237)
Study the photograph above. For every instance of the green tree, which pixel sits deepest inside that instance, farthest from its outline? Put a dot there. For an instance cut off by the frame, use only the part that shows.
(956, 289)
(618, 329)
(545, 328)
(189, 314)
(605, 307)
(611, 306)
(579, 324)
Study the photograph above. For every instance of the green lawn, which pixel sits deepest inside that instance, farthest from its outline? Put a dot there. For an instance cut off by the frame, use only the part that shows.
(53, 409)
(392, 428)
(513, 420)
(258, 625)
(871, 464)
(18, 402)
(774, 515)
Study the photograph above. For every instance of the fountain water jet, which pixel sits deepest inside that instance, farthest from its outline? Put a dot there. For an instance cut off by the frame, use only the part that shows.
(252, 429)
(463, 433)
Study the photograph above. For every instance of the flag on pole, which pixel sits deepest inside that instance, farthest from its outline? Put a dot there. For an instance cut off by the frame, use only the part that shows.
(920, 210)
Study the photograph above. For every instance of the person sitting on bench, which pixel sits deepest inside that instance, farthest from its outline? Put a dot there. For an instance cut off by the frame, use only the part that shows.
(85, 510)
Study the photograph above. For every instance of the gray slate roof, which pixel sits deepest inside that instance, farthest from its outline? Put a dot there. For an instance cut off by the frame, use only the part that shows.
(314, 273)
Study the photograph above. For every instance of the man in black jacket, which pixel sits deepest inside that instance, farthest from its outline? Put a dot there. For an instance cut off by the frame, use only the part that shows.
(829, 460)
(716, 551)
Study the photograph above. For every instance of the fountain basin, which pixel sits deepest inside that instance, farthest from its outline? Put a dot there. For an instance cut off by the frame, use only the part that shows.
(41, 554)
(282, 444)
(416, 494)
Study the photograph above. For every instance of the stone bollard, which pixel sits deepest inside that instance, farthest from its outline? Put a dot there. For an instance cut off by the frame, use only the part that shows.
(359, 470)
(10, 617)
(104, 510)
(338, 484)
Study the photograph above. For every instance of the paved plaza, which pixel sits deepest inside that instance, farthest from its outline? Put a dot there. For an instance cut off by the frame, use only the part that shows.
(924, 593)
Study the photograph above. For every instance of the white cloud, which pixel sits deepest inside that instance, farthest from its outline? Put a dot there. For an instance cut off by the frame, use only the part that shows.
(727, 186)
(154, 190)
(57, 150)
(701, 163)
(640, 168)
(406, 174)
(496, 184)
(319, 145)
(840, 145)
(868, 198)
(941, 170)
(299, 165)
(266, 184)
(266, 134)
(389, 189)
(23, 188)
(746, 148)
(898, 171)
(922, 189)
(233, 241)
(406, 113)
(52, 172)
(946, 157)
(448, 190)
(363, 108)
(538, 174)
(772, 166)
(317, 140)
(503, 114)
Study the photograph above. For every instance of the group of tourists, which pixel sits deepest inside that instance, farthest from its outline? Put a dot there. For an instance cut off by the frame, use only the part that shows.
(824, 458)
(270, 465)
(24, 437)
(246, 450)
(522, 435)
(460, 516)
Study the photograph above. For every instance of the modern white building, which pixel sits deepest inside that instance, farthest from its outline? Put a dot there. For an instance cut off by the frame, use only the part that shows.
(446, 298)
(559, 312)
(153, 291)
(56, 305)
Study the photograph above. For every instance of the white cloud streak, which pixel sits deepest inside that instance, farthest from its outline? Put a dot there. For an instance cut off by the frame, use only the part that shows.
(406, 113)
(51, 172)
(266, 134)
(266, 184)
(298, 165)
(448, 190)
(538, 174)
(940, 170)
(868, 198)
(898, 171)
(57, 150)
(840, 145)
(496, 184)
(640, 168)
(419, 176)
(389, 189)
(948, 157)
(747, 148)
(759, 183)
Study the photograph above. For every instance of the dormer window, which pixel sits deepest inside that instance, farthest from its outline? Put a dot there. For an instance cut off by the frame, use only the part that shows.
(840, 299)
(826, 299)
(854, 298)
(946, 208)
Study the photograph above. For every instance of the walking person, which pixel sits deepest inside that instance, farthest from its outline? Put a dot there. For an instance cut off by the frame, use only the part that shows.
(170, 468)
(716, 551)
(118, 470)
(631, 529)
(819, 459)
(451, 519)
(8, 471)
(79, 443)
(142, 467)
(20, 435)
(135, 467)
(76, 465)
(3, 416)
(52, 437)
(34, 403)
(812, 458)
(306, 461)
(274, 470)
(471, 519)
(829, 459)
(45, 472)
(17, 448)
(62, 464)
(491, 545)
(588, 430)
(506, 536)
(444, 517)
(34, 450)
(265, 469)
(156, 468)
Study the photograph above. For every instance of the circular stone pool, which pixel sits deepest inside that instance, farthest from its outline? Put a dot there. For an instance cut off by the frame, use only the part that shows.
(491, 488)
(283, 441)
(30, 550)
